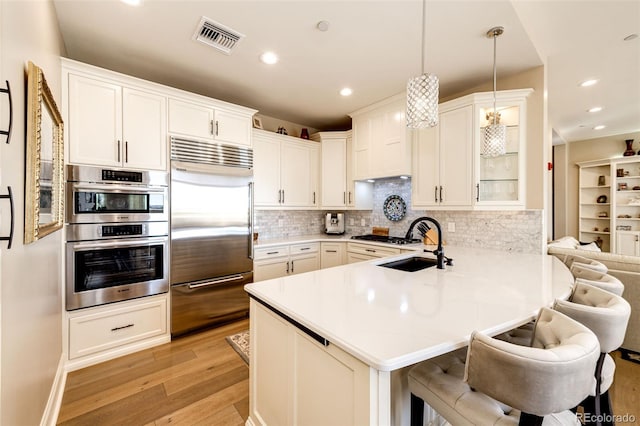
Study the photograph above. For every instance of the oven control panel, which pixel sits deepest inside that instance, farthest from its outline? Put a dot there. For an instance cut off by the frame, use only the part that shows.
(121, 230)
(121, 176)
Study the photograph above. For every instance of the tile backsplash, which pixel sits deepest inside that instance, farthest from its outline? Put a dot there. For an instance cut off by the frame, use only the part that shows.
(518, 231)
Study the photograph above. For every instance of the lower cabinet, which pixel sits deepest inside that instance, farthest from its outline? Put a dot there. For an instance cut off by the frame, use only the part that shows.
(296, 380)
(105, 332)
(279, 261)
(359, 252)
(332, 254)
(628, 242)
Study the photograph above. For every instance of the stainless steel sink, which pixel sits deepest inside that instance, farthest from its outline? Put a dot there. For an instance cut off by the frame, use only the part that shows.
(411, 264)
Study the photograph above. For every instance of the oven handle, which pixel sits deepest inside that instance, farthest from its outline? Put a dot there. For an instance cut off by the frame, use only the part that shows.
(114, 244)
(216, 282)
(114, 187)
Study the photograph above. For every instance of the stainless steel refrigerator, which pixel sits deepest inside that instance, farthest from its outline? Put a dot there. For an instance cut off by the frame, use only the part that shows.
(211, 233)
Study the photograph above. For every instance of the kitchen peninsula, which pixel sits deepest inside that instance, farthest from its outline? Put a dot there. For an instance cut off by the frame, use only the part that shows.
(333, 346)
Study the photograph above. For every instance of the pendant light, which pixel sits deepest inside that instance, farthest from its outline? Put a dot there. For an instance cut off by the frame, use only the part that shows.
(494, 141)
(422, 93)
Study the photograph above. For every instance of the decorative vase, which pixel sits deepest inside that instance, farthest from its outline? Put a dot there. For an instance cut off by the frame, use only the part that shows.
(629, 151)
(305, 135)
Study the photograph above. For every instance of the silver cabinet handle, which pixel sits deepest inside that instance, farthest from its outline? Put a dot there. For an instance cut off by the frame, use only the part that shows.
(477, 192)
(370, 250)
(349, 197)
(441, 199)
(305, 248)
(215, 282)
(126, 151)
(287, 267)
(292, 266)
(211, 127)
(283, 196)
(435, 194)
(314, 197)
(331, 251)
(216, 127)
(118, 150)
(279, 196)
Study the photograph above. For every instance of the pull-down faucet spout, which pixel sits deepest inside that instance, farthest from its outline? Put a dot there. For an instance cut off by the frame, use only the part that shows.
(439, 252)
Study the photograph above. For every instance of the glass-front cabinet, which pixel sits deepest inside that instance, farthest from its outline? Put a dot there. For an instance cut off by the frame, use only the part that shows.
(500, 181)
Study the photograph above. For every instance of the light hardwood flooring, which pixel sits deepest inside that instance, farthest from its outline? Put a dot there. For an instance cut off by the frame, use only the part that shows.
(200, 380)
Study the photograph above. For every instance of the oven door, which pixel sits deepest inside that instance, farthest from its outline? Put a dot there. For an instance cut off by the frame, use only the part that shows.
(100, 272)
(99, 203)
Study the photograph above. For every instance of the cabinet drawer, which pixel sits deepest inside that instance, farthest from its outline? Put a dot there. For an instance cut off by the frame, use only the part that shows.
(372, 250)
(304, 248)
(269, 252)
(109, 328)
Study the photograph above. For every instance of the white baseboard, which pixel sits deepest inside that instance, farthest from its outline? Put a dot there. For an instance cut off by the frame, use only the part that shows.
(52, 409)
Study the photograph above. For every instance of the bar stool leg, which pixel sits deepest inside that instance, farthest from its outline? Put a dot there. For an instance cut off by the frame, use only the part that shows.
(606, 410)
(527, 419)
(417, 411)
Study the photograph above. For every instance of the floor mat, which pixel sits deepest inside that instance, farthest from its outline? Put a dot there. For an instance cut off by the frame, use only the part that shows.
(240, 343)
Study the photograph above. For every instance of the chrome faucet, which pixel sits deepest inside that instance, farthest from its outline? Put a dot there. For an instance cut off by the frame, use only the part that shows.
(438, 252)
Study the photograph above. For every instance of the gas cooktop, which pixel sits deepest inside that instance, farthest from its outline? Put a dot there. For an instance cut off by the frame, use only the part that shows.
(386, 239)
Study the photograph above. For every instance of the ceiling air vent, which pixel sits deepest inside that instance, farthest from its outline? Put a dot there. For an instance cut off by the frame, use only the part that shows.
(217, 35)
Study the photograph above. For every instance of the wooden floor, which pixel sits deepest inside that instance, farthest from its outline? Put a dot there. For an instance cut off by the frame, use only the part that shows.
(200, 380)
(194, 380)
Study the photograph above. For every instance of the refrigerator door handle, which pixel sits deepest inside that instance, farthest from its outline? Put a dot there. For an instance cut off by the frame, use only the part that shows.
(216, 282)
(251, 220)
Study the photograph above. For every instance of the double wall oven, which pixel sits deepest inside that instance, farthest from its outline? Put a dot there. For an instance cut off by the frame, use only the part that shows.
(117, 235)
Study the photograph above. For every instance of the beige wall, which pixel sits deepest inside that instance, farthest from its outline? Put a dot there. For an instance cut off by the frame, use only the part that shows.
(560, 191)
(31, 297)
(591, 149)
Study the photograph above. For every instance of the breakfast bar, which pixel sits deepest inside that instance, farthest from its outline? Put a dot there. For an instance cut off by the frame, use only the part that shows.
(333, 346)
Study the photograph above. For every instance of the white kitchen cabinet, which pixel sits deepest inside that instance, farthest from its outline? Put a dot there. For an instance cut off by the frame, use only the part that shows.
(332, 254)
(288, 364)
(338, 189)
(380, 144)
(359, 252)
(442, 168)
(202, 121)
(105, 332)
(448, 169)
(286, 171)
(113, 125)
(279, 261)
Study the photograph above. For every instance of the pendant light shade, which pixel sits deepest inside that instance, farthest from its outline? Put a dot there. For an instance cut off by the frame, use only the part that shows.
(494, 141)
(423, 93)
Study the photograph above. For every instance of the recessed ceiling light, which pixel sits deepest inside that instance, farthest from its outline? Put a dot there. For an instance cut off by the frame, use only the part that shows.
(346, 92)
(599, 127)
(631, 37)
(588, 83)
(269, 58)
(132, 2)
(595, 109)
(323, 25)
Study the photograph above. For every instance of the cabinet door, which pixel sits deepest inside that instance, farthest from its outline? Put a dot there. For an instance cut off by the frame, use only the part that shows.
(266, 171)
(357, 257)
(268, 269)
(296, 174)
(95, 122)
(305, 263)
(332, 254)
(361, 144)
(456, 149)
(425, 182)
(391, 150)
(230, 127)
(190, 119)
(144, 130)
(627, 243)
(334, 173)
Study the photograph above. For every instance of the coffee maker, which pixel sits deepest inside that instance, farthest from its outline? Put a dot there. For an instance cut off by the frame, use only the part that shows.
(334, 223)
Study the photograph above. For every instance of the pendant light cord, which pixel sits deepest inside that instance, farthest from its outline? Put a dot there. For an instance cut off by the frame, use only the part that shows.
(424, 8)
(495, 112)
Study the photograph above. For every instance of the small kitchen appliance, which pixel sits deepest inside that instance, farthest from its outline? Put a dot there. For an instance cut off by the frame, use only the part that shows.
(334, 223)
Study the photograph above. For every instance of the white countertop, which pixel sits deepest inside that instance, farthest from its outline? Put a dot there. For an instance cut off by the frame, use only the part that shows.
(390, 319)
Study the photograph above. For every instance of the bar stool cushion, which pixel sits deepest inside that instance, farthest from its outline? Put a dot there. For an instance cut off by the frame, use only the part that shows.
(550, 378)
(574, 259)
(597, 279)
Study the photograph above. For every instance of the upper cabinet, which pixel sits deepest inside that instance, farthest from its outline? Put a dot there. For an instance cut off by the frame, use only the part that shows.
(380, 144)
(285, 171)
(116, 120)
(338, 189)
(203, 121)
(112, 125)
(449, 171)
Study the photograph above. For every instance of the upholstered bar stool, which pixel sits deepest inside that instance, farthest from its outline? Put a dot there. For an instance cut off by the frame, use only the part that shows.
(607, 315)
(574, 259)
(597, 279)
(507, 384)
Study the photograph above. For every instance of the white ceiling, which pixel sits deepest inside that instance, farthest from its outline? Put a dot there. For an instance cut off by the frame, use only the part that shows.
(372, 46)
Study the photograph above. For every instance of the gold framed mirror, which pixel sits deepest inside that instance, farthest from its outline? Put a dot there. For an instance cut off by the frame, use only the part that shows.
(44, 181)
